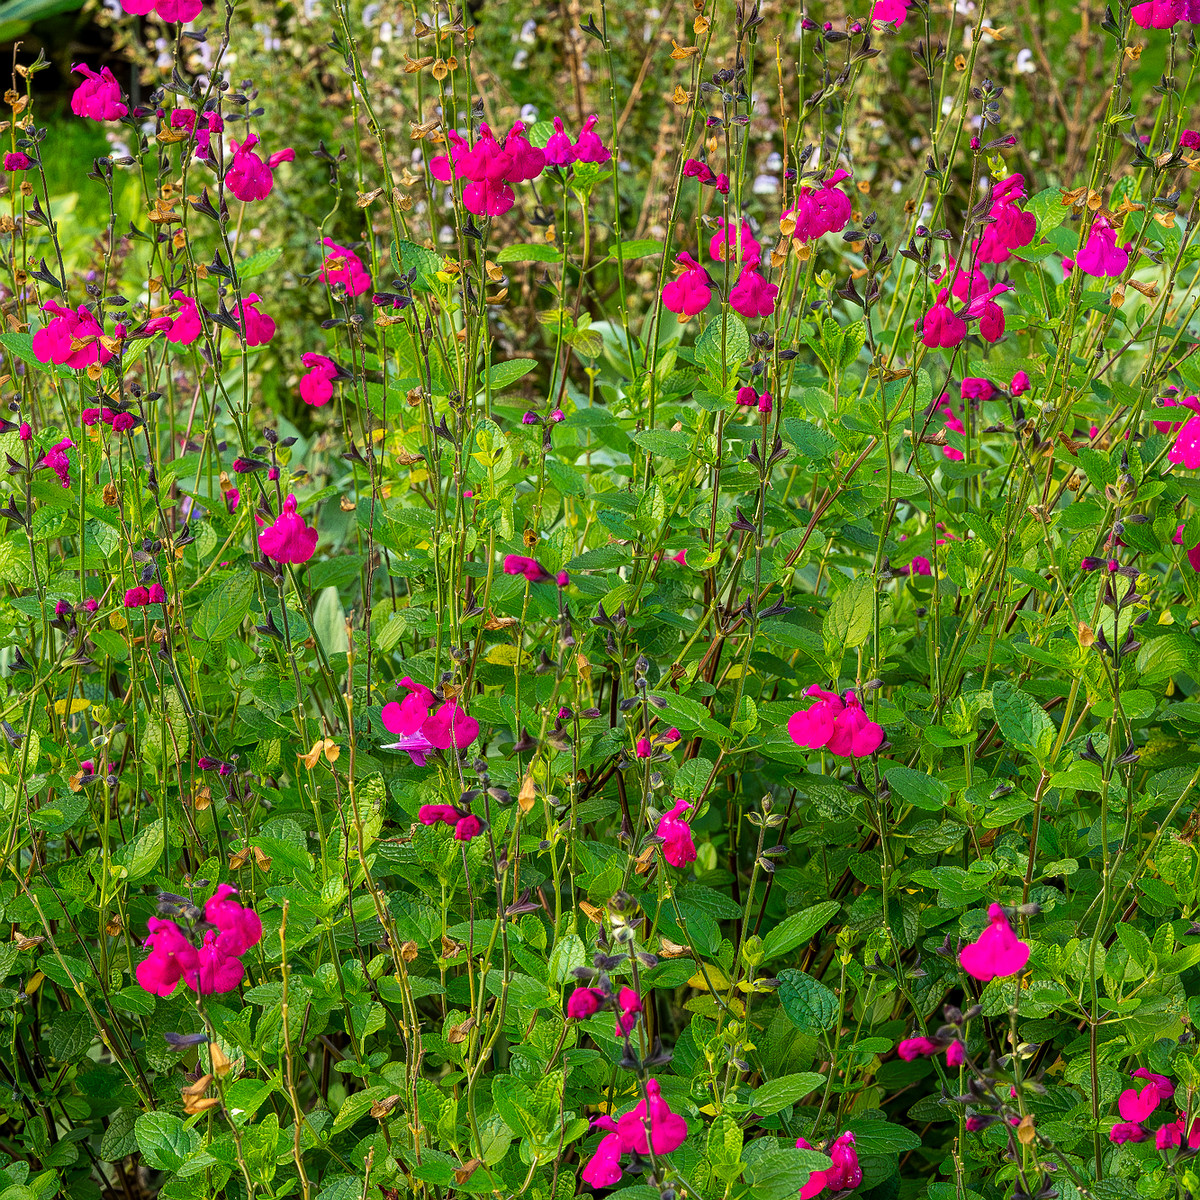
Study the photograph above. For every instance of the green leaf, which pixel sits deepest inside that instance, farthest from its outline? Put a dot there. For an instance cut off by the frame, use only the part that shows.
(663, 442)
(21, 344)
(427, 263)
(71, 1035)
(722, 347)
(119, 1140)
(688, 714)
(780, 1173)
(256, 264)
(881, 1137)
(504, 374)
(919, 789)
(849, 619)
(1023, 722)
(809, 1004)
(223, 610)
(788, 1089)
(799, 928)
(724, 1144)
(529, 252)
(164, 1140)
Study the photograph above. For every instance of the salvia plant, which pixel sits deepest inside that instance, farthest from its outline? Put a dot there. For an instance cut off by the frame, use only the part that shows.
(601, 600)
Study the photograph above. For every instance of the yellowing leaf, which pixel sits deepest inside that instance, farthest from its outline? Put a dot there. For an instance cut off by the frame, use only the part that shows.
(504, 656)
(77, 705)
(716, 977)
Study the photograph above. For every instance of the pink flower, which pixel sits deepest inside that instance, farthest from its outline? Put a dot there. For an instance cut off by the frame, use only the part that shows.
(842, 1176)
(435, 814)
(989, 313)
(288, 539)
(186, 328)
(157, 594)
(56, 459)
(209, 123)
(71, 339)
(259, 327)
(517, 564)
(917, 1047)
(1010, 228)
(216, 972)
(421, 731)
(966, 284)
(643, 748)
(812, 727)
(343, 266)
(136, 597)
(171, 955)
(629, 1005)
(248, 177)
(941, 327)
(98, 97)
(468, 827)
(603, 1169)
(1186, 450)
(489, 168)
(316, 387)
(177, 10)
(239, 928)
(724, 245)
(956, 1054)
(1171, 1135)
(1137, 1106)
(1101, 257)
(559, 150)
(747, 397)
(1020, 384)
(855, 735)
(589, 147)
(584, 1002)
(1191, 402)
(689, 293)
(889, 10)
(822, 210)
(1166, 1089)
(680, 558)
(1189, 139)
(996, 953)
(764, 403)
(17, 161)
(1157, 14)
(977, 389)
(678, 847)
(1126, 1132)
(752, 296)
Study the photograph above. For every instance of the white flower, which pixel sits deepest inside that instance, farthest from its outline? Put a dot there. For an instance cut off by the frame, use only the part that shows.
(774, 161)
(529, 113)
(520, 60)
(446, 235)
(386, 32)
(528, 33)
(1025, 64)
(370, 13)
(897, 187)
(765, 185)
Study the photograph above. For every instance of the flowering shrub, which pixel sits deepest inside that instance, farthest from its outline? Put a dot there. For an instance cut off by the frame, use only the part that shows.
(620, 618)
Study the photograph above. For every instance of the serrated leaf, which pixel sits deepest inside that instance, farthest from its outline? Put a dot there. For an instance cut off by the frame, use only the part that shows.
(798, 928)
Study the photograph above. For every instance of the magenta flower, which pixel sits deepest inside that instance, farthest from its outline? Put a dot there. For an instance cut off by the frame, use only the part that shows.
(584, 1002)
(855, 735)
(1189, 139)
(1009, 228)
(1171, 1135)
(843, 1175)
(186, 328)
(812, 727)
(589, 147)
(1166, 1089)
(56, 459)
(518, 564)
(953, 425)
(17, 161)
(1126, 1131)
(966, 285)
(136, 597)
(1101, 257)
(689, 293)
(1191, 402)
(239, 928)
(71, 338)
(747, 397)
(678, 848)
(98, 97)
(1020, 384)
(157, 594)
(752, 296)
(177, 10)
(316, 387)
(724, 245)
(489, 168)
(642, 750)
(259, 327)
(420, 730)
(885, 11)
(917, 1047)
(468, 827)
(171, 955)
(977, 389)
(1137, 1106)
(1157, 14)
(1186, 450)
(629, 1005)
(248, 177)
(343, 266)
(956, 1054)
(821, 210)
(989, 313)
(559, 150)
(996, 953)
(627, 1135)
(288, 539)
(941, 326)
(920, 565)
(465, 825)
(209, 123)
